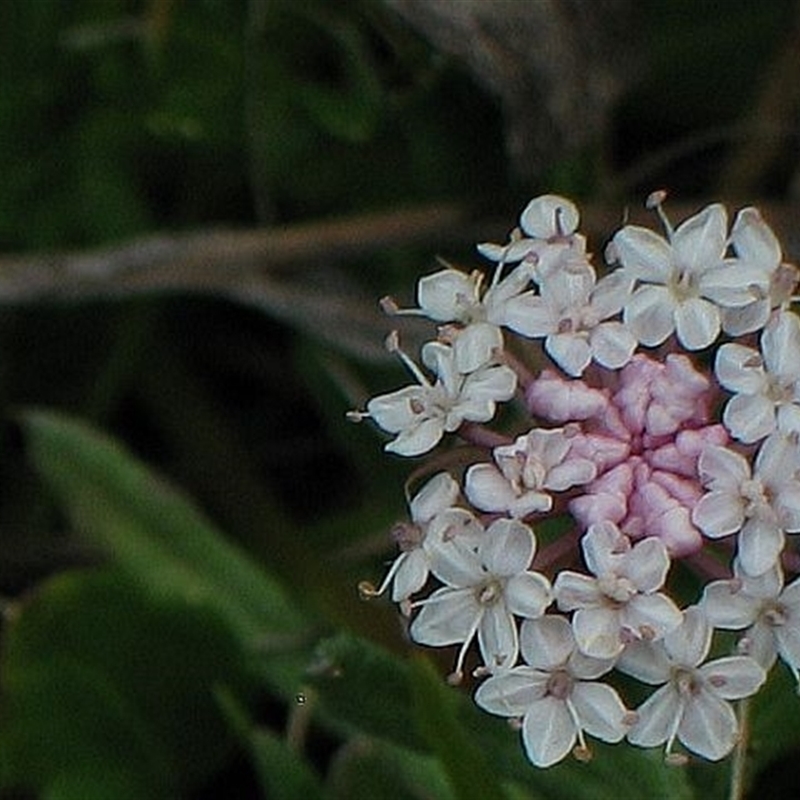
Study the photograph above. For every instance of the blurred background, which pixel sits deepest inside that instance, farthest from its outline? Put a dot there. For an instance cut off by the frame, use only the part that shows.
(200, 204)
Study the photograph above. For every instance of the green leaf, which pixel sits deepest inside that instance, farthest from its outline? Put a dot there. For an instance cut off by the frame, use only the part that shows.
(155, 534)
(435, 710)
(374, 692)
(282, 772)
(774, 732)
(615, 771)
(109, 692)
(363, 687)
(368, 768)
(90, 784)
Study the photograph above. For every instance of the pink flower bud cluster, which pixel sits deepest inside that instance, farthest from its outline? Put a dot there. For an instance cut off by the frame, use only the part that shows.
(644, 431)
(663, 426)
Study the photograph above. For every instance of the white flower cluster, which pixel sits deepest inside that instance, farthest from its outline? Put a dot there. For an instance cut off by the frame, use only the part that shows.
(645, 445)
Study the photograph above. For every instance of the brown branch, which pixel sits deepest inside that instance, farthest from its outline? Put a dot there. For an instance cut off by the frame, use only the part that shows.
(250, 263)
(221, 260)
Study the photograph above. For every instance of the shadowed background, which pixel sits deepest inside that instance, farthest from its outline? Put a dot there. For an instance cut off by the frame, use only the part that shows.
(200, 204)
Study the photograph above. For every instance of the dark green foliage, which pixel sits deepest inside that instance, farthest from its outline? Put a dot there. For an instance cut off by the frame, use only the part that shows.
(185, 515)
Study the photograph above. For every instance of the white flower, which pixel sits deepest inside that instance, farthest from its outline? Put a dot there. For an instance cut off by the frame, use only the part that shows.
(486, 586)
(766, 386)
(550, 216)
(550, 222)
(622, 603)
(770, 613)
(684, 279)
(420, 415)
(571, 312)
(762, 504)
(692, 706)
(456, 297)
(757, 246)
(434, 518)
(538, 463)
(556, 695)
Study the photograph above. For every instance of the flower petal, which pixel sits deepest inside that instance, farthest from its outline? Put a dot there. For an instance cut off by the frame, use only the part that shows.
(697, 323)
(600, 711)
(688, 644)
(611, 293)
(604, 546)
(734, 677)
(746, 319)
(597, 632)
(548, 732)
(780, 344)
(734, 284)
(573, 590)
(497, 637)
(417, 440)
(760, 642)
(721, 468)
(528, 595)
(492, 384)
(529, 316)
(547, 642)
(476, 345)
(507, 548)
(727, 606)
(487, 488)
(749, 417)
(699, 242)
(647, 564)
(570, 351)
(571, 472)
(439, 493)
(740, 368)
(548, 216)
(454, 560)
(508, 253)
(787, 504)
(649, 315)
(718, 514)
(397, 411)
(777, 460)
(787, 638)
(644, 253)
(646, 661)
(448, 617)
(761, 587)
(511, 692)
(612, 344)
(411, 574)
(444, 296)
(754, 241)
(517, 281)
(651, 616)
(656, 718)
(760, 546)
(709, 726)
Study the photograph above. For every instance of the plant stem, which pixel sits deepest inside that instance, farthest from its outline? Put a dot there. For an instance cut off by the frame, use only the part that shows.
(739, 765)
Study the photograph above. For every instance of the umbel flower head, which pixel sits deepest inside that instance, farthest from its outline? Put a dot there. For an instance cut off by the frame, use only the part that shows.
(421, 414)
(656, 419)
(692, 706)
(556, 694)
(485, 587)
